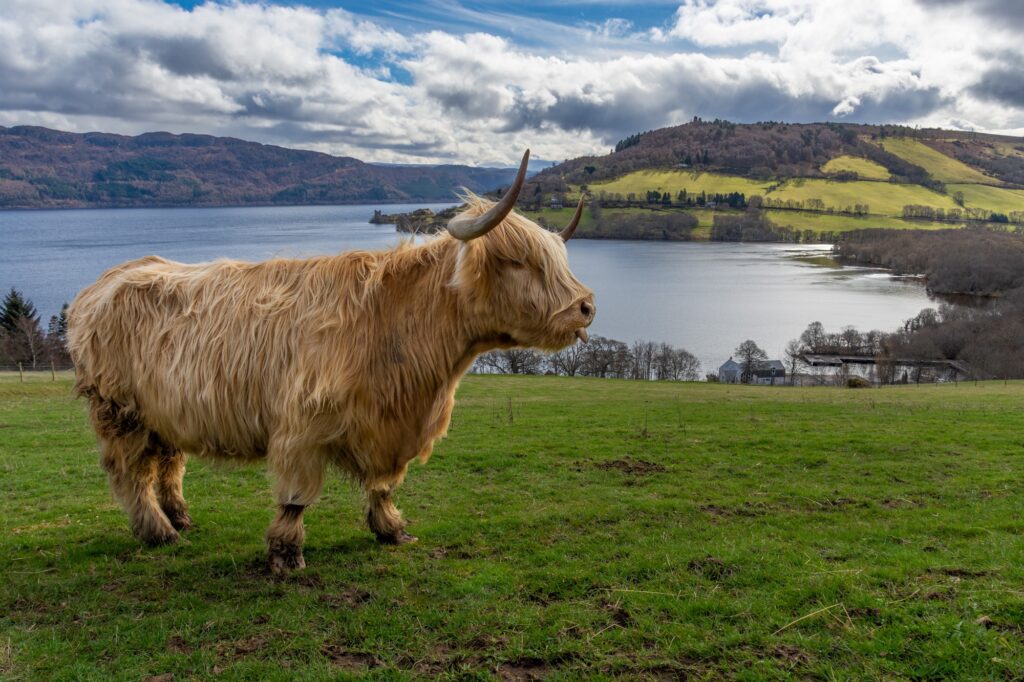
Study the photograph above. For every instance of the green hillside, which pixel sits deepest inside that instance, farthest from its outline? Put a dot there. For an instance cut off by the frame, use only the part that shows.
(828, 178)
(569, 529)
(993, 198)
(941, 167)
(865, 169)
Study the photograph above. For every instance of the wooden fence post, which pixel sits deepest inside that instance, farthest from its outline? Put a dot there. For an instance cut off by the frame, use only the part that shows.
(21, 373)
(53, 372)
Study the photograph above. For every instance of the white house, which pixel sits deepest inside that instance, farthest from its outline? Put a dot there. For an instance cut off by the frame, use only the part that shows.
(769, 372)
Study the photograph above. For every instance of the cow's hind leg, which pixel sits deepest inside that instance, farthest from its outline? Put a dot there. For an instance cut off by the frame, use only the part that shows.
(383, 517)
(129, 455)
(170, 473)
(132, 470)
(299, 476)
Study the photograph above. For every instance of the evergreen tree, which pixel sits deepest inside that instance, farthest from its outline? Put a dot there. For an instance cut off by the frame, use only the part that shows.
(14, 307)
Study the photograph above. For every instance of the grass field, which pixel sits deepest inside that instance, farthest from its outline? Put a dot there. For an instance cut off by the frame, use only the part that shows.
(824, 222)
(882, 198)
(868, 170)
(939, 166)
(640, 182)
(991, 198)
(568, 529)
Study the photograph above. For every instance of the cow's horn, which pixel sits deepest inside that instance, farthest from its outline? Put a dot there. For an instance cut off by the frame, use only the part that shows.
(566, 234)
(470, 227)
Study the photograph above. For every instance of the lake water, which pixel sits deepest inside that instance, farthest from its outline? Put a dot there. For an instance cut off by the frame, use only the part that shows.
(704, 297)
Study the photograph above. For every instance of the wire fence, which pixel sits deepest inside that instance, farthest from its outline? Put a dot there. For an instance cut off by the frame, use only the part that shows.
(39, 371)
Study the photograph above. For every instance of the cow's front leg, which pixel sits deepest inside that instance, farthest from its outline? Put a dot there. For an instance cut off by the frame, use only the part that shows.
(383, 518)
(299, 477)
(285, 538)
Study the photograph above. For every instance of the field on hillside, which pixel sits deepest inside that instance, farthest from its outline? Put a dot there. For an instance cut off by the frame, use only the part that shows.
(568, 528)
(991, 198)
(939, 166)
(641, 182)
(825, 222)
(882, 198)
(868, 170)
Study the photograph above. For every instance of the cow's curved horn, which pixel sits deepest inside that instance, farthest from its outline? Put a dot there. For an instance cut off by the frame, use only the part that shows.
(470, 227)
(566, 234)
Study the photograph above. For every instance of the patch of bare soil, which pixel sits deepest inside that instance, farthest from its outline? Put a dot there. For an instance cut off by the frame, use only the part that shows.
(524, 670)
(177, 644)
(349, 660)
(747, 509)
(959, 572)
(352, 597)
(711, 568)
(793, 655)
(631, 466)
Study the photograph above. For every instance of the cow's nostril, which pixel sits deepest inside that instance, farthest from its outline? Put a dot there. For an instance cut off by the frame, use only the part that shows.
(586, 309)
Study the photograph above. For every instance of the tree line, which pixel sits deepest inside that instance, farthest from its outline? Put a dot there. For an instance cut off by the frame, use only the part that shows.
(984, 263)
(600, 357)
(24, 342)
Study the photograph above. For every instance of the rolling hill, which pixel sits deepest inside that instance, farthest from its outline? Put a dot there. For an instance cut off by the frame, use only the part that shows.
(816, 179)
(43, 168)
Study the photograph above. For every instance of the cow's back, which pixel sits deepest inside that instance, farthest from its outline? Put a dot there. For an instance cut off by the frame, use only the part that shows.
(205, 354)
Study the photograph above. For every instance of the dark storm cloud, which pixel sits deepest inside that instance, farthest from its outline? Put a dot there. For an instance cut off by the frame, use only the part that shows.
(1002, 82)
(184, 55)
(1012, 10)
(759, 100)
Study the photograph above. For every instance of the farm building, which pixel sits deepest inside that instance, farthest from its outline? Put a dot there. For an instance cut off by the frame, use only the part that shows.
(769, 372)
(819, 369)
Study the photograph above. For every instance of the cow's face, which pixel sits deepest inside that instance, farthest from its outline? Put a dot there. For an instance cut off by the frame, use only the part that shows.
(522, 289)
(514, 276)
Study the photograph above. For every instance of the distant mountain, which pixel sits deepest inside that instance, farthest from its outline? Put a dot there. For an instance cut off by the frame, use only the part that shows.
(43, 168)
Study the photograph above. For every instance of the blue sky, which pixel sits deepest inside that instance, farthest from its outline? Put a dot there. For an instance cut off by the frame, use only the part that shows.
(476, 82)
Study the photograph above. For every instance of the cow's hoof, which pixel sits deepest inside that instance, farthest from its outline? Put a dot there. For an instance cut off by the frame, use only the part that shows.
(181, 520)
(399, 538)
(284, 560)
(166, 536)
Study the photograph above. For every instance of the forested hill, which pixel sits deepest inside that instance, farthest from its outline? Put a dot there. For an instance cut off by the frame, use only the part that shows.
(43, 168)
(771, 150)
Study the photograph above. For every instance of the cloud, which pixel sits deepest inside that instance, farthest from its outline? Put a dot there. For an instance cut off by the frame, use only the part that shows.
(324, 79)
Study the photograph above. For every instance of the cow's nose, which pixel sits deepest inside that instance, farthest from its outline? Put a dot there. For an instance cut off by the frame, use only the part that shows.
(587, 309)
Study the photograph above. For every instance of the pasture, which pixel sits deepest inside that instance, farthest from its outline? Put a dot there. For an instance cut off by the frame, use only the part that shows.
(940, 166)
(640, 182)
(991, 198)
(882, 198)
(834, 222)
(865, 168)
(568, 528)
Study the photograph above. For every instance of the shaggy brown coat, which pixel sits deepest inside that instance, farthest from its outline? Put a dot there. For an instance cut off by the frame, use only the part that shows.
(349, 360)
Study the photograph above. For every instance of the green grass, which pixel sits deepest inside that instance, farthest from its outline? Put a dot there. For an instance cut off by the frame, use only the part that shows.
(824, 222)
(640, 182)
(991, 198)
(939, 166)
(571, 528)
(866, 169)
(882, 198)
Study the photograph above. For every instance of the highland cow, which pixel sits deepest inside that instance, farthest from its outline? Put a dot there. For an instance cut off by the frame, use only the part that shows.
(349, 360)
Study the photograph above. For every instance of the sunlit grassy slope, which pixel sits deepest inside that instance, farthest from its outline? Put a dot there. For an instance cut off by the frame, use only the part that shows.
(882, 198)
(640, 182)
(824, 222)
(569, 528)
(992, 198)
(939, 166)
(868, 170)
